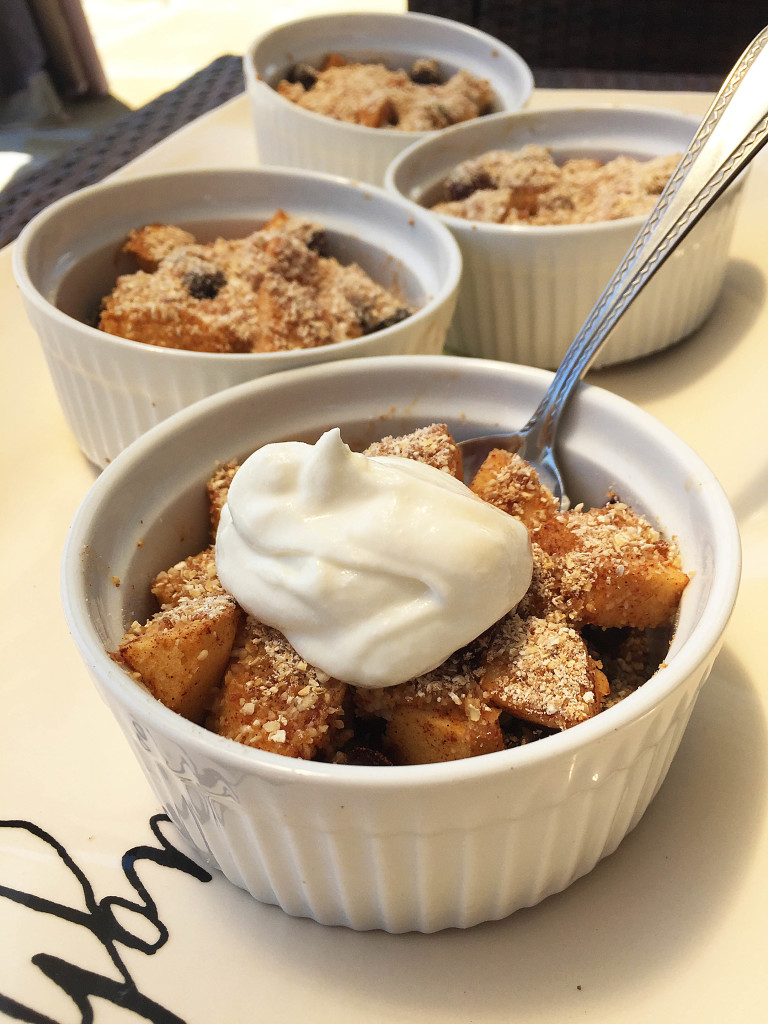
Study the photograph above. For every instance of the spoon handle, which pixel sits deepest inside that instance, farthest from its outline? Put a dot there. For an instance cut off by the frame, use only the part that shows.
(732, 132)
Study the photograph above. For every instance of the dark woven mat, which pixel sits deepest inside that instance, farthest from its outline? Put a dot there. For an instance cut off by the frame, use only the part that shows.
(107, 150)
(677, 38)
(650, 81)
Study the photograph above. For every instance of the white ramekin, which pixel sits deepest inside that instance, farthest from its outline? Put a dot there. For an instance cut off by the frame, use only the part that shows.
(289, 135)
(112, 389)
(417, 847)
(526, 290)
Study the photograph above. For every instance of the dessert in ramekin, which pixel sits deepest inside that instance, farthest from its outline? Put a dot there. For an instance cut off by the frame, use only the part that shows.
(292, 136)
(526, 289)
(112, 389)
(338, 842)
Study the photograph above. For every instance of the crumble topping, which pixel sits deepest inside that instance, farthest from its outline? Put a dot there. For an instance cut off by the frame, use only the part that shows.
(195, 577)
(526, 186)
(378, 97)
(272, 699)
(432, 444)
(277, 289)
(509, 482)
(456, 682)
(542, 669)
(187, 609)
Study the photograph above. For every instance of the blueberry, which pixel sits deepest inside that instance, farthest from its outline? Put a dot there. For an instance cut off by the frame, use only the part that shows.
(460, 189)
(361, 755)
(304, 74)
(426, 72)
(202, 285)
(389, 321)
(318, 243)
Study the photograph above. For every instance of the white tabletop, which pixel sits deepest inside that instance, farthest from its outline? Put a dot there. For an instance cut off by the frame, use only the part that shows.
(672, 927)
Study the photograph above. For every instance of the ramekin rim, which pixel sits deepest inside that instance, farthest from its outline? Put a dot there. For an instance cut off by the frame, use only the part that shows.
(550, 231)
(254, 77)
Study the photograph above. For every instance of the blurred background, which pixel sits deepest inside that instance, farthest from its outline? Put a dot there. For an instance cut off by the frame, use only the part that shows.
(91, 82)
(69, 68)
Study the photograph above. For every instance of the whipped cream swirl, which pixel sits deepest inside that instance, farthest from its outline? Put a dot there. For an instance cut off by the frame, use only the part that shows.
(376, 569)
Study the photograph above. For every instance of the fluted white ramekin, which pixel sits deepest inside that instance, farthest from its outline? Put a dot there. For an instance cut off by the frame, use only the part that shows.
(526, 290)
(289, 135)
(420, 847)
(111, 389)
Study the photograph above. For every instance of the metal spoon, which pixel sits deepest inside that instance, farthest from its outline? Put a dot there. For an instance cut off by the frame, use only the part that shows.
(734, 129)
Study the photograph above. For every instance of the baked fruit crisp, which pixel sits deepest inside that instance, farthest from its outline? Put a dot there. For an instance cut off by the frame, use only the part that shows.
(527, 186)
(594, 625)
(420, 99)
(274, 290)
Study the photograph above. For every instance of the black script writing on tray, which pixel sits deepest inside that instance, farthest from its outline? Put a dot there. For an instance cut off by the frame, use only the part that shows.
(101, 920)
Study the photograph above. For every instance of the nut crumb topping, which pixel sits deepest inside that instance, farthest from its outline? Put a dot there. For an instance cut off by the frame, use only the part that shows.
(594, 625)
(277, 289)
(378, 97)
(527, 186)
(271, 696)
(542, 672)
(432, 445)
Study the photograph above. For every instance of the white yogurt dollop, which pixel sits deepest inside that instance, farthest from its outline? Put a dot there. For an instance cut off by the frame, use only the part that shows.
(375, 569)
